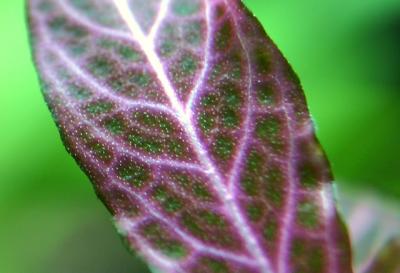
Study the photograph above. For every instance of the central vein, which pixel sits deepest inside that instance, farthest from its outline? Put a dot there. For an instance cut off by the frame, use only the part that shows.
(147, 45)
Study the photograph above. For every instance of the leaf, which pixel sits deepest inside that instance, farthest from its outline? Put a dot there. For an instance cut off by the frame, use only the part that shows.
(388, 259)
(374, 225)
(194, 131)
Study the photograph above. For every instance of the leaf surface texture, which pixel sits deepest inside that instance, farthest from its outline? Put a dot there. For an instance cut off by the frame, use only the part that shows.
(194, 131)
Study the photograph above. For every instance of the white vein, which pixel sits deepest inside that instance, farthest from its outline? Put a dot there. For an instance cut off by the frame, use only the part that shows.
(231, 206)
(110, 32)
(162, 13)
(148, 48)
(328, 212)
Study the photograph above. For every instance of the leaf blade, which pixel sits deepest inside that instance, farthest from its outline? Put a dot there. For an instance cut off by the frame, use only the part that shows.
(180, 139)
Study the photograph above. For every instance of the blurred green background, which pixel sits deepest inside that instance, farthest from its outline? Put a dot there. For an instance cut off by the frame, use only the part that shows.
(347, 54)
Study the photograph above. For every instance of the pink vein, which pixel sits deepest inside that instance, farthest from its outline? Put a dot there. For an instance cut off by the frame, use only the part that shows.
(253, 243)
(233, 209)
(287, 219)
(234, 176)
(200, 80)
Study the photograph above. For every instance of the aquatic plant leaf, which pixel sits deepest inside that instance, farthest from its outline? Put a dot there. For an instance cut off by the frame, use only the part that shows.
(194, 131)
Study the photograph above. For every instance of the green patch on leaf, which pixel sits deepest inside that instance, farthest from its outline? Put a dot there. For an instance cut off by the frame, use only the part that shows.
(115, 125)
(201, 192)
(134, 173)
(185, 7)
(270, 230)
(128, 53)
(249, 184)
(176, 147)
(78, 49)
(208, 226)
(209, 100)
(308, 175)
(167, 47)
(99, 107)
(162, 241)
(100, 66)
(193, 185)
(274, 181)
(306, 257)
(107, 43)
(206, 122)
(224, 36)
(100, 151)
(230, 118)
(188, 65)
(154, 122)
(192, 33)
(269, 130)
(254, 161)
(148, 144)
(141, 79)
(211, 218)
(255, 211)
(235, 66)
(262, 60)
(61, 27)
(96, 147)
(231, 95)
(223, 147)
(266, 94)
(308, 214)
(170, 202)
(213, 266)
(79, 92)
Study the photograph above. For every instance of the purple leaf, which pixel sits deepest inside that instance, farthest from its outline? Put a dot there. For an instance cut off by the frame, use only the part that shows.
(194, 131)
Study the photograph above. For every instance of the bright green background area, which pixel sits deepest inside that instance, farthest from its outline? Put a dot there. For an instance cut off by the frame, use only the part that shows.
(347, 53)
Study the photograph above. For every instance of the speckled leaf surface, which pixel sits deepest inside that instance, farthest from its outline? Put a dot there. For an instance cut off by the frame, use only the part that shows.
(194, 131)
